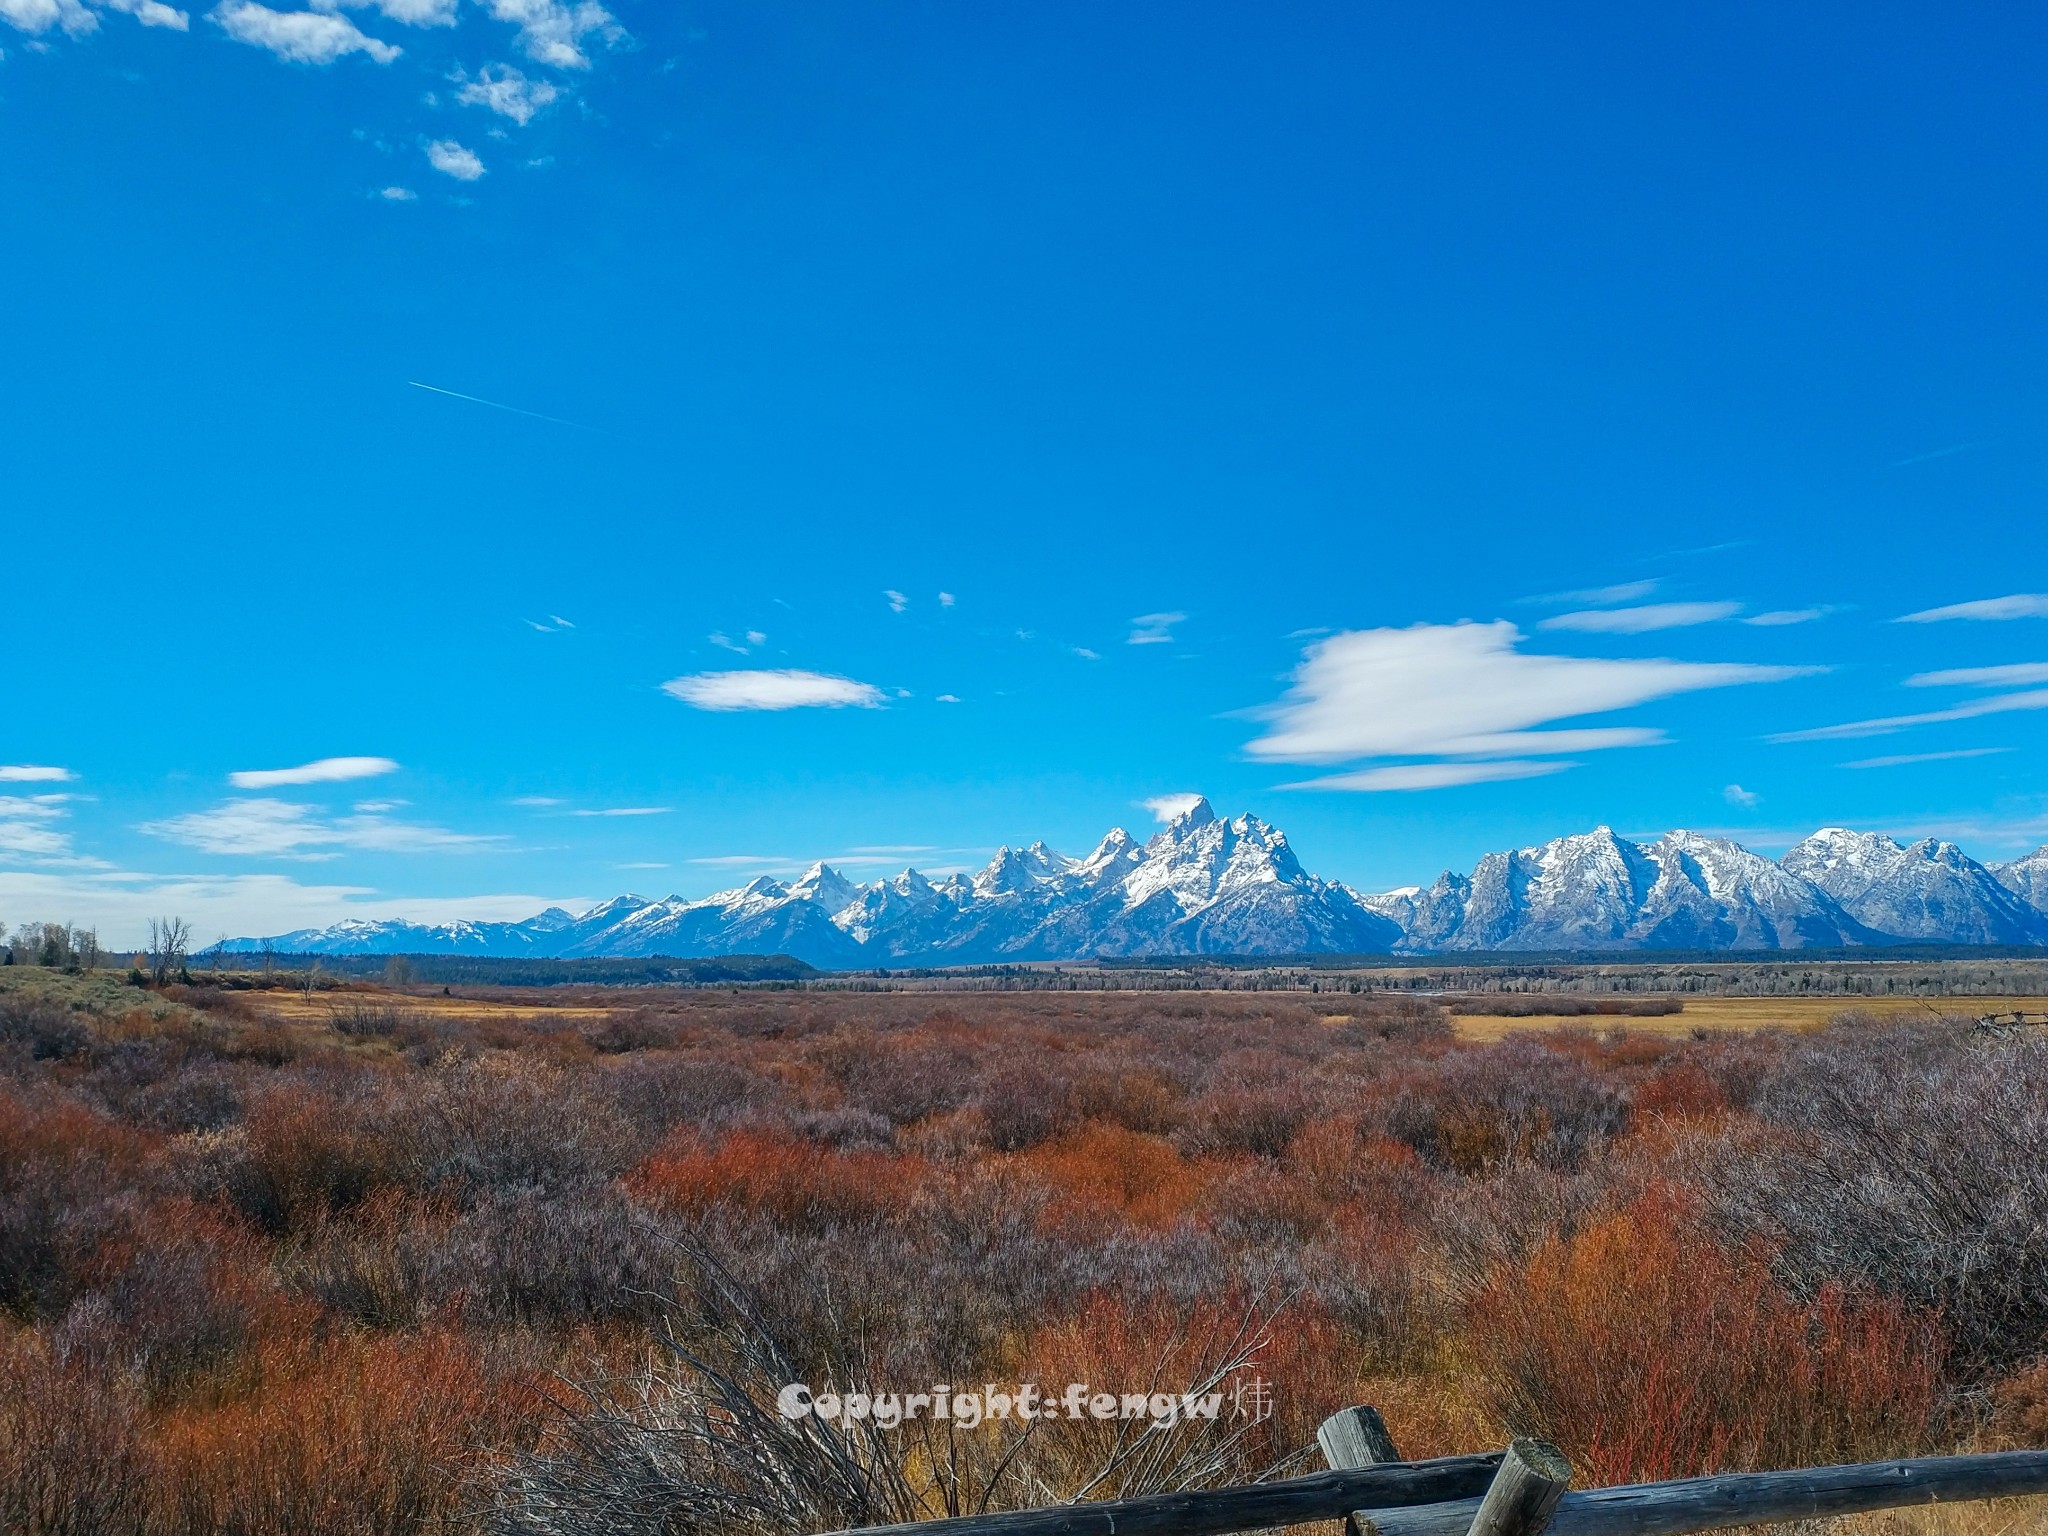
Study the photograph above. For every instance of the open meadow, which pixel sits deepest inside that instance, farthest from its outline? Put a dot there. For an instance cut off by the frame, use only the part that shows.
(343, 1260)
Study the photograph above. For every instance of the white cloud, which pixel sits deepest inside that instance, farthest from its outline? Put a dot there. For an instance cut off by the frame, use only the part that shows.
(301, 37)
(1903, 758)
(507, 92)
(2004, 703)
(1778, 618)
(121, 903)
(896, 600)
(945, 599)
(34, 773)
(328, 770)
(628, 810)
(1748, 799)
(286, 829)
(2016, 675)
(1411, 776)
(36, 17)
(411, 13)
(1640, 621)
(451, 159)
(786, 688)
(2020, 605)
(1154, 628)
(553, 33)
(755, 637)
(399, 195)
(1459, 690)
(1165, 807)
(1085, 654)
(152, 13)
(536, 800)
(948, 698)
(726, 643)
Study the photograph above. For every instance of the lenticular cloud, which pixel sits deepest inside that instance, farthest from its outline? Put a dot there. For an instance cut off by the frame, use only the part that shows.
(784, 688)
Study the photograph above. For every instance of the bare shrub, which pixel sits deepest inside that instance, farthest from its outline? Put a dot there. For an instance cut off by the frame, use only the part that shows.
(46, 1031)
(72, 1456)
(692, 1444)
(1516, 1101)
(1909, 1159)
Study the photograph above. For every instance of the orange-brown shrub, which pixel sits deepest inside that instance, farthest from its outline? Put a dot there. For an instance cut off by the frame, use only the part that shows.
(1646, 1349)
(359, 1436)
(798, 1182)
(1106, 1170)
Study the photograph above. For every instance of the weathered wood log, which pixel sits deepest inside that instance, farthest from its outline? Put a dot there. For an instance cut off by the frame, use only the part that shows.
(1219, 1511)
(1532, 1478)
(1356, 1437)
(1751, 1498)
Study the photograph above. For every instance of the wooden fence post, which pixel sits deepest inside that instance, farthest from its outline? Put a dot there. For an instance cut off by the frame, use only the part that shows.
(1532, 1478)
(1356, 1437)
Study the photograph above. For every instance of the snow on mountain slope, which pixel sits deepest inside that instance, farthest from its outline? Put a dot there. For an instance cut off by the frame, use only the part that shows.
(2027, 878)
(1206, 885)
(1929, 890)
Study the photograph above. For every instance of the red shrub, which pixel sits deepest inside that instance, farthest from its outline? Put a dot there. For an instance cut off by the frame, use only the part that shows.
(1647, 1350)
(798, 1182)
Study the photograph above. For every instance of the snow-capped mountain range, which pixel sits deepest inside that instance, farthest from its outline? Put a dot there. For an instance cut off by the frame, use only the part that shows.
(1204, 885)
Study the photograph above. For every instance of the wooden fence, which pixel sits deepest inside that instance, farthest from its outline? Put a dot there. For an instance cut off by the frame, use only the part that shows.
(1522, 1491)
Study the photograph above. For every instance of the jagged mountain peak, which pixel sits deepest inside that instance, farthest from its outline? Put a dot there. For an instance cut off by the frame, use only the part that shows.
(1203, 884)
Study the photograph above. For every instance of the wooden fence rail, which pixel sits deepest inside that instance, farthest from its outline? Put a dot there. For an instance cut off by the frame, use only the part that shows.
(1519, 1492)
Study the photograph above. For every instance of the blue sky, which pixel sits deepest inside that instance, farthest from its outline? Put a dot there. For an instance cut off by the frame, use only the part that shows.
(1434, 428)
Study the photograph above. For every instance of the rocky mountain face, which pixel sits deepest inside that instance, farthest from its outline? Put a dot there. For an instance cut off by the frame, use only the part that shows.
(1206, 885)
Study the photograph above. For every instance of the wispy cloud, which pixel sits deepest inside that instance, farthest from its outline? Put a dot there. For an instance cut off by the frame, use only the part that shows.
(1467, 690)
(328, 770)
(536, 800)
(896, 600)
(1155, 628)
(555, 622)
(399, 195)
(506, 91)
(554, 33)
(34, 773)
(945, 599)
(286, 829)
(2018, 605)
(2015, 675)
(120, 903)
(1904, 758)
(28, 826)
(1778, 618)
(1413, 776)
(1603, 597)
(784, 688)
(628, 810)
(1748, 799)
(1641, 620)
(300, 37)
(2004, 703)
(1165, 807)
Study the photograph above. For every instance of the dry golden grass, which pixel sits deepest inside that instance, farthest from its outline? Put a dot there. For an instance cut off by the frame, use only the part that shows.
(321, 1007)
(1740, 1013)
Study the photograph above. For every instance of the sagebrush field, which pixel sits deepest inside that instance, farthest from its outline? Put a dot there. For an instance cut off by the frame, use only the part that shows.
(360, 1262)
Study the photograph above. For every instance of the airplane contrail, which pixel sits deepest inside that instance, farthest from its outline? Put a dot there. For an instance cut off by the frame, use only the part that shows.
(1942, 453)
(496, 406)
